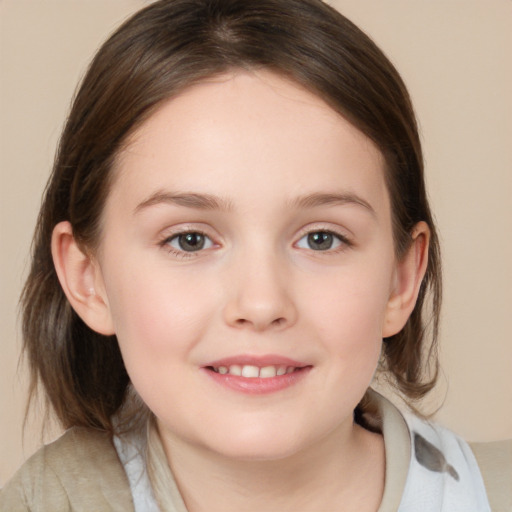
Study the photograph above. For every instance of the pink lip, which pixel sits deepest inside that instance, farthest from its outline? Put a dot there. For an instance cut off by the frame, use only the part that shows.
(263, 360)
(257, 385)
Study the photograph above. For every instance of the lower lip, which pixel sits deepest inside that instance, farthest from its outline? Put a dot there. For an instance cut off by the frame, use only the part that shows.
(257, 385)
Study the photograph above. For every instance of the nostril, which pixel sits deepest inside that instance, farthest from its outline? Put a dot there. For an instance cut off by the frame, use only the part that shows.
(243, 322)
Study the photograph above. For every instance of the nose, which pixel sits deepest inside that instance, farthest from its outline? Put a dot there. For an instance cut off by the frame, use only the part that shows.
(259, 293)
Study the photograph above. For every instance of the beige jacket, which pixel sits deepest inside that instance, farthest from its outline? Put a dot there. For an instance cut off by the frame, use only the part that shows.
(78, 472)
(82, 472)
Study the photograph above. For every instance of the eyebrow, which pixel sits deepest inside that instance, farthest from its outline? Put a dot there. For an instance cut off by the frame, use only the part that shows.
(211, 202)
(332, 199)
(187, 199)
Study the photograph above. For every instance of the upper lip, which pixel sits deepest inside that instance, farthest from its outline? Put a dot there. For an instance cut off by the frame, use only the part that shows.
(256, 360)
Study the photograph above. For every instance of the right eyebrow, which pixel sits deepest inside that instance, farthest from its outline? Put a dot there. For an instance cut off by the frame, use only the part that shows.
(186, 199)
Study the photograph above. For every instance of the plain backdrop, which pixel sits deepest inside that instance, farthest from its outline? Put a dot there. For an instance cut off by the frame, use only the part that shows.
(455, 57)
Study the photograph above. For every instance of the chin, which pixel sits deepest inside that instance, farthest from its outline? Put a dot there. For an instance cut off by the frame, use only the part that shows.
(259, 452)
(258, 444)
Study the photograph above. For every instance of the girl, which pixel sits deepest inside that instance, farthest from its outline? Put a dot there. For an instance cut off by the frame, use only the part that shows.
(234, 239)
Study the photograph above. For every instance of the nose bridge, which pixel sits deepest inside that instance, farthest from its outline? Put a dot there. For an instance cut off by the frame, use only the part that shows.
(259, 292)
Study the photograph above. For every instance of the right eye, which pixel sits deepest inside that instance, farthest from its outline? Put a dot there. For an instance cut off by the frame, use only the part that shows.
(191, 241)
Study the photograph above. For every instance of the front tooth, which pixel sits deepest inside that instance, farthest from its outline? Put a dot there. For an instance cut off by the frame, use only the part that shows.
(250, 371)
(235, 369)
(268, 371)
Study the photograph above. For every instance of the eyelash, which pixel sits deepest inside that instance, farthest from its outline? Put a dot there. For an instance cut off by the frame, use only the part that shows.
(165, 243)
(344, 242)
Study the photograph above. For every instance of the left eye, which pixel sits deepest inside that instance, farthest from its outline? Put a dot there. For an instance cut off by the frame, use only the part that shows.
(190, 242)
(320, 241)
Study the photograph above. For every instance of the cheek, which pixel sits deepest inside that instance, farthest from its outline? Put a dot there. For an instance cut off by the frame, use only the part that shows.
(352, 305)
(348, 316)
(156, 313)
(158, 321)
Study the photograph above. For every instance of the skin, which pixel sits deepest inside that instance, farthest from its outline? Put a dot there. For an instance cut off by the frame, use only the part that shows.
(259, 145)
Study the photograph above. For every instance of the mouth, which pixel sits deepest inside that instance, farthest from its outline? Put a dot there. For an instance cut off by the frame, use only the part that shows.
(250, 371)
(255, 375)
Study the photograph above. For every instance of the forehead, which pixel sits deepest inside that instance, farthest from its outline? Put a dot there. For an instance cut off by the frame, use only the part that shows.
(230, 134)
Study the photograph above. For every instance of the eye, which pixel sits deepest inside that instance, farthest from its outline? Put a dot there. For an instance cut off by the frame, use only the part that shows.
(321, 241)
(192, 241)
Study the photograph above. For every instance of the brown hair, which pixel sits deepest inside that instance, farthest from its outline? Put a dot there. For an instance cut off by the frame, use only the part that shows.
(161, 50)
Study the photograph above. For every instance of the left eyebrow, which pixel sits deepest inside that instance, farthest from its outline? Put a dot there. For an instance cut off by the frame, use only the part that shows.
(329, 199)
(188, 200)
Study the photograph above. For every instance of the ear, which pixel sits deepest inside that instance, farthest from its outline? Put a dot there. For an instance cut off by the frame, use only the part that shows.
(409, 274)
(81, 279)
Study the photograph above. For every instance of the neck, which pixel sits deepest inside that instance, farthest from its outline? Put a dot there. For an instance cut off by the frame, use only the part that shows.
(345, 468)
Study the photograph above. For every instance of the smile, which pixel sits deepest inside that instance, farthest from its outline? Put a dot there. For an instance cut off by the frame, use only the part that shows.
(253, 372)
(257, 375)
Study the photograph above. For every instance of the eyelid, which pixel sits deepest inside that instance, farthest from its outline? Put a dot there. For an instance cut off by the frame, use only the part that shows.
(176, 231)
(179, 235)
(343, 237)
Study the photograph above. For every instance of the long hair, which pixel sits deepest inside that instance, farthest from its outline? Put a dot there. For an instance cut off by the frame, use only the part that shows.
(163, 49)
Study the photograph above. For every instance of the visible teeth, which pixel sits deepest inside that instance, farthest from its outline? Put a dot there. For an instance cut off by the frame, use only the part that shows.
(251, 371)
(268, 371)
(235, 370)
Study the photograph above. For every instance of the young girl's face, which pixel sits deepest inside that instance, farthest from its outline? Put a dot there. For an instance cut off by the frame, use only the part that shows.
(248, 230)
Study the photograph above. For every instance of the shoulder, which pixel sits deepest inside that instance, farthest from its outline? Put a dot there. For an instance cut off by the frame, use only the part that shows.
(429, 464)
(495, 462)
(79, 471)
(480, 474)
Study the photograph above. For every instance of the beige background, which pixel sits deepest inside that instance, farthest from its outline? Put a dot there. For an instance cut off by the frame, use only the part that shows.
(455, 57)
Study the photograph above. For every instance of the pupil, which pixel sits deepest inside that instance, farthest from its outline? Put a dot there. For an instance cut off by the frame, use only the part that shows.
(320, 240)
(191, 241)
